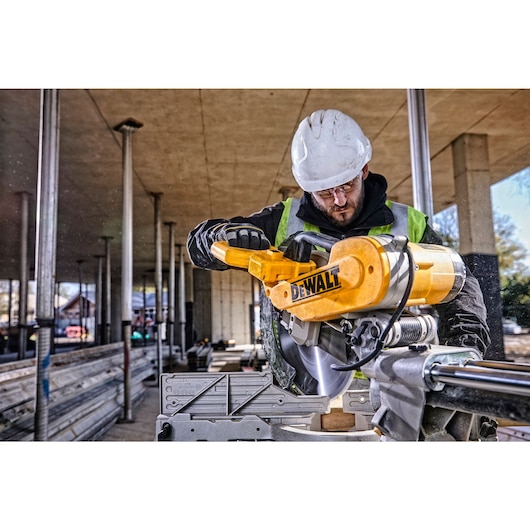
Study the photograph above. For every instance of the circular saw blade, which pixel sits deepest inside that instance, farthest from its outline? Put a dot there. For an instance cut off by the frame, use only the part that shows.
(318, 363)
(312, 365)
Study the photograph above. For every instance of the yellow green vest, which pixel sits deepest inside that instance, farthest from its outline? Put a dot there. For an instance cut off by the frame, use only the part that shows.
(407, 221)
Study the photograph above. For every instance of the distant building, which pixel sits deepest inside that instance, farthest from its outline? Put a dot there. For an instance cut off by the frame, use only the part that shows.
(138, 306)
(78, 312)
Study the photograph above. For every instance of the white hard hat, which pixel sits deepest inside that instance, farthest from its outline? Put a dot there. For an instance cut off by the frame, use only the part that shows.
(328, 150)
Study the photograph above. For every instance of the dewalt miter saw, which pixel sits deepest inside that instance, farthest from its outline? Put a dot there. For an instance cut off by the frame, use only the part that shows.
(345, 302)
(352, 315)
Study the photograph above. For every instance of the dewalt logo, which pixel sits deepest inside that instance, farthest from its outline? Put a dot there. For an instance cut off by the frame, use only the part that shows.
(324, 281)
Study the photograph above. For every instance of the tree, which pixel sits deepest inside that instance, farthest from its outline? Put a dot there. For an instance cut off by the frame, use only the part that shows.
(522, 181)
(516, 300)
(446, 224)
(511, 253)
(514, 274)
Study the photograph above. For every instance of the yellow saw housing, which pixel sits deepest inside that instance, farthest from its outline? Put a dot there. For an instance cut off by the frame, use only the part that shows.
(362, 273)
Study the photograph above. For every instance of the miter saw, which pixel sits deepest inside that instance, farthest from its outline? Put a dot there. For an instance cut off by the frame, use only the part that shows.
(349, 318)
(333, 309)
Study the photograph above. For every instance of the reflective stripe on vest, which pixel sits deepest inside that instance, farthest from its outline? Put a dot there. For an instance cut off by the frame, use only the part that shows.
(407, 220)
(290, 223)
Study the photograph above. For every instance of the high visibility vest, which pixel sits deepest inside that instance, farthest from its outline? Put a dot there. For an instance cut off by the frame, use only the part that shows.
(407, 221)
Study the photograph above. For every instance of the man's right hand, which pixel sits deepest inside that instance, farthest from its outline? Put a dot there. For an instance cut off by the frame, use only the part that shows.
(243, 236)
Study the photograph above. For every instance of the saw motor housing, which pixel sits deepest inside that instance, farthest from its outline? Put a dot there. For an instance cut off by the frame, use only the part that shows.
(362, 278)
(363, 273)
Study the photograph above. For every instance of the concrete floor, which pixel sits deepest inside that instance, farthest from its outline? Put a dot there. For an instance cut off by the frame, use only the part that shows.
(144, 414)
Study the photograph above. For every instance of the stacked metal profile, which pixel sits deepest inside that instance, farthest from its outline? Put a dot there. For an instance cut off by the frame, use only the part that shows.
(86, 392)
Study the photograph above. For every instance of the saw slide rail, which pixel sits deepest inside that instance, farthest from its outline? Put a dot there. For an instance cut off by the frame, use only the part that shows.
(416, 392)
(497, 389)
(495, 377)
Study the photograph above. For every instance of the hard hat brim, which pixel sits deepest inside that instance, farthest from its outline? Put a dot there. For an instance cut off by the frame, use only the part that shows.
(330, 182)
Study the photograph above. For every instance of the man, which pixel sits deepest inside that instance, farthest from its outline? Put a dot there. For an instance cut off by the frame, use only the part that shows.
(342, 198)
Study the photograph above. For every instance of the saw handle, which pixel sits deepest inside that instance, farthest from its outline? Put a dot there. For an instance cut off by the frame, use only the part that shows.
(301, 244)
(232, 256)
(269, 266)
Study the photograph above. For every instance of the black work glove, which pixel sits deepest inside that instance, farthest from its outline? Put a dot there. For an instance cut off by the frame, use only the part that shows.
(243, 236)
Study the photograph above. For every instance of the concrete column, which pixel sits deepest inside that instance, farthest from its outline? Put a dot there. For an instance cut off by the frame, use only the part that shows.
(202, 304)
(230, 297)
(106, 313)
(171, 294)
(115, 327)
(475, 220)
(23, 284)
(189, 325)
(81, 302)
(127, 128)
(159, 318)
(98, 328)
(144, 310)
(182, 302)
(9, 313)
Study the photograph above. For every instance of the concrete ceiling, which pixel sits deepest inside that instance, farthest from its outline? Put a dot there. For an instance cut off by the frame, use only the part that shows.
(217, 153)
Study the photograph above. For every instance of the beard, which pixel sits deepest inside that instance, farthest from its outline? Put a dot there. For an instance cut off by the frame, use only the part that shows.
(344, 215)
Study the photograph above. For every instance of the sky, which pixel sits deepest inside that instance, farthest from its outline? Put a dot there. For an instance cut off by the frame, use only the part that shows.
(507, 199)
